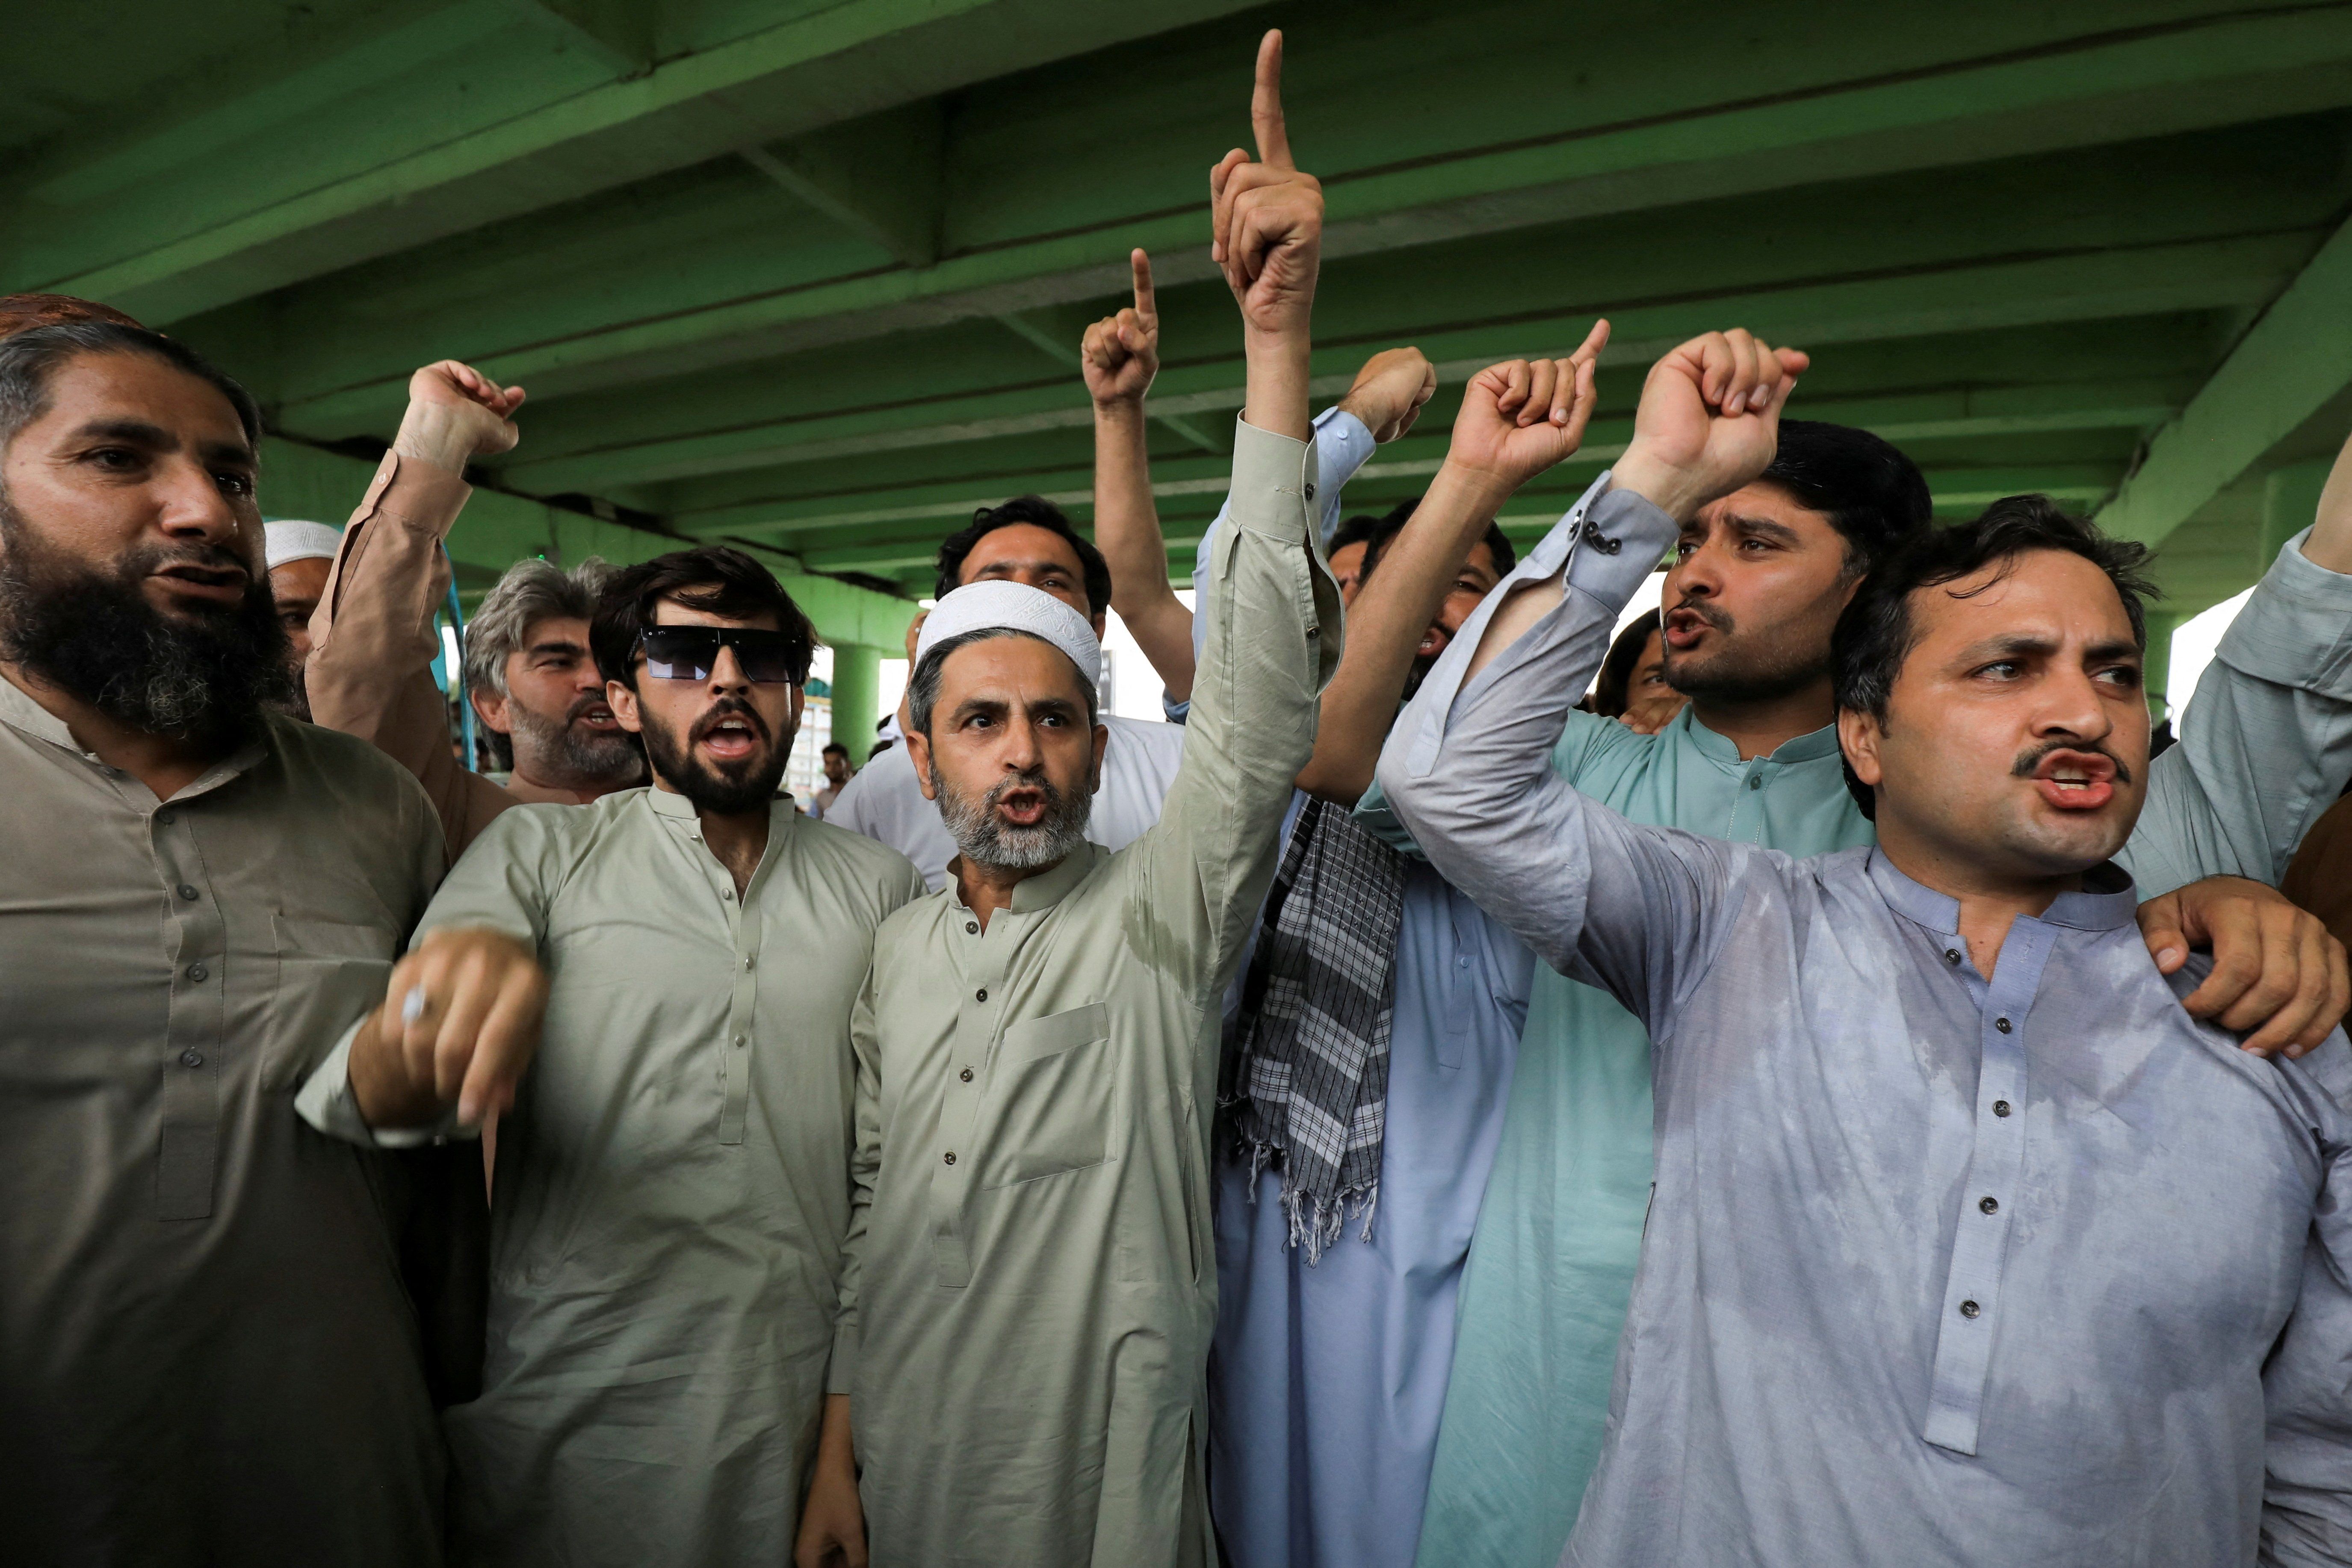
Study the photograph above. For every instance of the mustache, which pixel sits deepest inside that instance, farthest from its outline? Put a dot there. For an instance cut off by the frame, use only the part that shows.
(2029, 760)
(208, 557)
(1033, 778)
(587, 704)
(1720, 620)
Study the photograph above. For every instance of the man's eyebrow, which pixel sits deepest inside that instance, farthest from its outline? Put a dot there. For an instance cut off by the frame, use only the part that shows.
(2116, 648)
(560, 645)
(1764, 525)
(137, 432)
(1040, 564)
(971, 707)
(2009, 645)
(233, 453)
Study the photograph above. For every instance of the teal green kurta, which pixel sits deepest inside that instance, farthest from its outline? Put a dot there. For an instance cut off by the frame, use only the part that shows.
(673, 1183)
(1032, 1290)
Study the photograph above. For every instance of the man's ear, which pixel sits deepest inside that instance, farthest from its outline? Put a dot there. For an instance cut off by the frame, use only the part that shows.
(491, 709)
(918, 753)
(623, 704)
(1859, 735)
(1102, 742)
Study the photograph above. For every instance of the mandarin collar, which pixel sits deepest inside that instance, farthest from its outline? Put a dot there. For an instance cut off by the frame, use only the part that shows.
(1048, 887)
(1811, 746)
(2106, 901)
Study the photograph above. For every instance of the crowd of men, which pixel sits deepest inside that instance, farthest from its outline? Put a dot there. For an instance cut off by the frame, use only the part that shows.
(1830, 1097)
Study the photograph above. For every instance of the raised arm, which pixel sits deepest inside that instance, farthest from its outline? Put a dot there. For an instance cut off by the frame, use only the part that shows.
(372, 643)
(1272, 612)
(1516, 420)
(1119, 358)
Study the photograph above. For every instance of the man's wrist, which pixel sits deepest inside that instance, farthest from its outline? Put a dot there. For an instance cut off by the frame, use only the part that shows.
(1675, 492)
(1119, 410)
(431, 434)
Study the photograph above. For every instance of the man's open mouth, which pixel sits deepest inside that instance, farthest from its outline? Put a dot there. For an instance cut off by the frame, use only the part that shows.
(2076, 780)
(1684, 625)
(731, 737)
(1025, 806)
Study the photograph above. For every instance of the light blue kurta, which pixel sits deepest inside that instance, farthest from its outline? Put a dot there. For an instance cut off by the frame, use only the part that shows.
(1543, 1299)
(1328, 1381)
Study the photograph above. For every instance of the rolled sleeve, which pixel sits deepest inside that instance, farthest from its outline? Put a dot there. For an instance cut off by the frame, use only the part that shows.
(326, 1102)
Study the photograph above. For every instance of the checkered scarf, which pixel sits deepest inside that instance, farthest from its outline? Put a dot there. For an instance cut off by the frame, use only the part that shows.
(1312, 1080)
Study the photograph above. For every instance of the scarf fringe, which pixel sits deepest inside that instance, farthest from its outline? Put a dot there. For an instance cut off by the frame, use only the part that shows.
(1315, 1223)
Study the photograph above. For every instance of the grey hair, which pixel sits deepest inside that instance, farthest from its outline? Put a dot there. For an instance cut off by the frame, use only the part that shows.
(530, 591)
(923, 691)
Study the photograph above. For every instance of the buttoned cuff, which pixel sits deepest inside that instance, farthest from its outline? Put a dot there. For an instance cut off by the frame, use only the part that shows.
(841, 1370)
(1343, 445)
(418, 493)
(1274, 484)
(326, 1102)
(1619, 543)
(2297, 631)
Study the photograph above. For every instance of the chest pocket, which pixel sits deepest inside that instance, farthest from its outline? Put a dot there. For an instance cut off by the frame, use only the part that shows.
(1052, 1096)
(329, 973)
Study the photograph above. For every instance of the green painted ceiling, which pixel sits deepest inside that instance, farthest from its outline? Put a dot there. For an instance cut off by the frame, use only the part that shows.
(811, 274)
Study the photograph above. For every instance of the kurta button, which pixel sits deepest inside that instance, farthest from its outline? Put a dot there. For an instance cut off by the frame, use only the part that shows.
(965, 1075)
(187, 890)
(2001, 1108)
(1951, 955)
(980, 996)
(2001, 1024)
(747, 960)
(727, 893)
(1755, 781)
(191, 1059)
(163, 819)
(972, 928)
(950, 1156)
(1970, 1309)
(738, 1042)
(1990, 1205)
(197, 972)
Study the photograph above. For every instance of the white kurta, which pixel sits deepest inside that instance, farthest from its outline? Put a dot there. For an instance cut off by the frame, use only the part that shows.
(1031, 1291)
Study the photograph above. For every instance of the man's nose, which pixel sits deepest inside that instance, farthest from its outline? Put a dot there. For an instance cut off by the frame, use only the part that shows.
(1021, 751)
(2071, 706)
(1692, 577)
(727, 671)
(192, 506)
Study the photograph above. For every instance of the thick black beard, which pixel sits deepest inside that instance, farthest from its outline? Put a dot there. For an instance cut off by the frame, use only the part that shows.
(207, 676)
(724, 793)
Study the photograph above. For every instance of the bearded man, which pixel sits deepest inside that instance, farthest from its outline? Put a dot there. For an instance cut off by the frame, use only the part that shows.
(206, 1352)
(671, 1199)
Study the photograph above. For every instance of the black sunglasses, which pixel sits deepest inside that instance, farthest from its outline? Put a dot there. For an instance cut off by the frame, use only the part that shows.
(691, 653)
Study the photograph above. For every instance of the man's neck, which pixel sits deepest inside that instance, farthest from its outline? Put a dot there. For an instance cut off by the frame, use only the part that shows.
(739, 838)
(1761, 726)
(1989, 900)
(986, 889)
(166, 765)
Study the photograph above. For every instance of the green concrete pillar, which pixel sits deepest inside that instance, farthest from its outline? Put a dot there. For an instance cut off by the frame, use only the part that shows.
(2290, 501)
(857, 697)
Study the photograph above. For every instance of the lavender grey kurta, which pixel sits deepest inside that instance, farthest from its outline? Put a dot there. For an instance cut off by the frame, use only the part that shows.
(1940, 1268)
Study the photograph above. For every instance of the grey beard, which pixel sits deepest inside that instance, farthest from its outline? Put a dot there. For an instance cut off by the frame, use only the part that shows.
(981, 839)
(569, 758)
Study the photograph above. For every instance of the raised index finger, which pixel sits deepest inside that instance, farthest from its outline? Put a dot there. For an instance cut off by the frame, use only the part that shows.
(1145, 306)
(1266, 104)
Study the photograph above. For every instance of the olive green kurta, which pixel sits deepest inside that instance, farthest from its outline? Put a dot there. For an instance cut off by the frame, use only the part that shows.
(206, 1355)
(1031, 1291)
(672, 1181)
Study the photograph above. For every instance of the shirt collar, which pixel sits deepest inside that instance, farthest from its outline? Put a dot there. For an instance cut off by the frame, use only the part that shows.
(1048, 888)
(19, 711)
(1812, 746)
(2106, 901)
(21, 714)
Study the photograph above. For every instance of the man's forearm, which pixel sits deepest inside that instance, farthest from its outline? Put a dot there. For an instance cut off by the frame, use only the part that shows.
(1278, 361)
(1385, 624)
(1127, 531)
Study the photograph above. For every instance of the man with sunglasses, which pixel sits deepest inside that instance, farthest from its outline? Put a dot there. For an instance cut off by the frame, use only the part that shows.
(671, 1185)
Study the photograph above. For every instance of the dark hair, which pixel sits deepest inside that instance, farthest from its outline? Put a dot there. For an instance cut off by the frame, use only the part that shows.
(1357, 530)
(30, 358)
(23, 312)
(1611, 691)
(711, 578)
(1875, 634)
(923, 686)
(1034, 511)
(1384, 530)
(1872, 495)
(832, 746)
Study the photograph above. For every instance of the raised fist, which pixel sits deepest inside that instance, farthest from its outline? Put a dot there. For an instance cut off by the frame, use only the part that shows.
(1522, 416)
(456, 413)
(1122, 354)
(1709, 420)
(1391, 391)
(1267, 216)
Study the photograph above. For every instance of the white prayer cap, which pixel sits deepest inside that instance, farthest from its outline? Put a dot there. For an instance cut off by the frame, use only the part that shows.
(1001, 606)
(291, 540)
